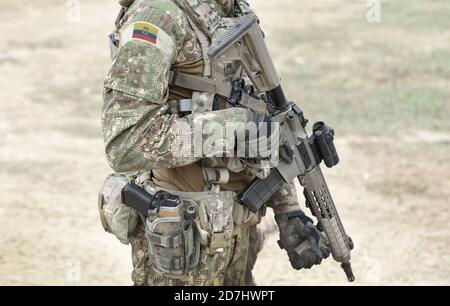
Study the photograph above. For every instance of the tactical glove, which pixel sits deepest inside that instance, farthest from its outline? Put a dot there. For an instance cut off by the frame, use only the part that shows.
(260, 138)
(302, 241)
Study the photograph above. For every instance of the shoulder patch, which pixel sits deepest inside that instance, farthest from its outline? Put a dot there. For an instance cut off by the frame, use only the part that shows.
(150, 33)
(145, 31)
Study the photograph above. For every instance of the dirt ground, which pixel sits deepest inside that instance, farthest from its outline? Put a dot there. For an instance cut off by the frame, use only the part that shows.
(385, 88)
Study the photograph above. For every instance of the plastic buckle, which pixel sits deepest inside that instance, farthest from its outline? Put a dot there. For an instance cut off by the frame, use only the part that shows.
(236, 93)
(173, 77)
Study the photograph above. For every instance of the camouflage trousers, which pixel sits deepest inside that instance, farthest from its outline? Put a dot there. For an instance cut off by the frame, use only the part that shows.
(230, 268)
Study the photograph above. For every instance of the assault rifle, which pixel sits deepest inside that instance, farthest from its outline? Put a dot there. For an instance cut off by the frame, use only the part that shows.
(300, 155)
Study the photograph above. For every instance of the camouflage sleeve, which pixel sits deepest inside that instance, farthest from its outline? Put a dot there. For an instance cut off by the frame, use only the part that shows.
(153, 140)
(138, 133)
(284, 200)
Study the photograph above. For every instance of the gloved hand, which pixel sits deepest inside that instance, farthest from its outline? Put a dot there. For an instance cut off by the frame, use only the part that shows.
(261, 138)
(303, 242)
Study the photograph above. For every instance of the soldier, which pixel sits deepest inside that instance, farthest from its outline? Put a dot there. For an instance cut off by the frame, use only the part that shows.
(157, 84)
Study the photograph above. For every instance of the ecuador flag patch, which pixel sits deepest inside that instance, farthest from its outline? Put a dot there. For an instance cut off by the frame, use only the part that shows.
(145, 31)
(151, 34)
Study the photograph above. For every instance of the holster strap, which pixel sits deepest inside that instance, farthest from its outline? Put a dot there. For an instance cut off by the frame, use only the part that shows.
(198, 83)
(175, 263)
(165, 240)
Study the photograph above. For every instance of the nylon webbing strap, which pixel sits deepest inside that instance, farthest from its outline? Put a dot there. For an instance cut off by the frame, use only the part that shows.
(253, 103)
(180, 106)
(165, 240)
(216, 175)
(198, 83)
(175, 263)
(202, 33)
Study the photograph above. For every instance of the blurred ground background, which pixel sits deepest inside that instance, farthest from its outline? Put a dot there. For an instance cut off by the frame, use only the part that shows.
(384, 87)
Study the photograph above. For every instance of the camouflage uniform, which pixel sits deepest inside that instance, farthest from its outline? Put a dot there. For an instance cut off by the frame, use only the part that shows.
(139, 132)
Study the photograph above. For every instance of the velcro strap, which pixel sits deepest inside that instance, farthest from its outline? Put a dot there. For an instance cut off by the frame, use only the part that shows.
(216, 175)
(185, 106)
(180, 106)
(167, 241)
(189, 243)
(175, 263)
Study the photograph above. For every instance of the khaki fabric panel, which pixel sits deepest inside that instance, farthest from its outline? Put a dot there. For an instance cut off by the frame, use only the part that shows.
(190, 179)
(194, 68)
(187, 179)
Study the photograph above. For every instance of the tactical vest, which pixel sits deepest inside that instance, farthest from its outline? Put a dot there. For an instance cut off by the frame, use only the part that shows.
(221, 219)
(222, 85)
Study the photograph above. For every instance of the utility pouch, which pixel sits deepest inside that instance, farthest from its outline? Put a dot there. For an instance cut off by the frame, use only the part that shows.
(216, 221)
(173, 245)
(208, 218)
(116, 218)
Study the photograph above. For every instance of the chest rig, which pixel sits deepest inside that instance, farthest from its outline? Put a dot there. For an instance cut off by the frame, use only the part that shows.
(220, 217)
(222, 85)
